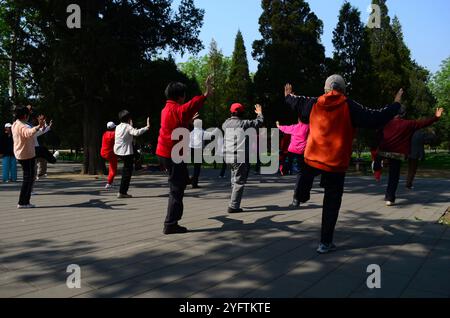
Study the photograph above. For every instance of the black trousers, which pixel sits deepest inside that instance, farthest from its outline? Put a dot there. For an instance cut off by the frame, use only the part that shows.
(334, 190)
(178, 178)
(29, 174)
(197, 166)
(301, 167)
(127, 172)
(223, 170)
(42, 152)
(394, 179)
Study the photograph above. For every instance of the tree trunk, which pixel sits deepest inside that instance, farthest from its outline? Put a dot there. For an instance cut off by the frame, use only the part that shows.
(92, 163)
(13, 60)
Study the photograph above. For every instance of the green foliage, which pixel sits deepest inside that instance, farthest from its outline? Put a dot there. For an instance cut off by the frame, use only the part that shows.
(290, 50)
(83, 77)
(440, 86)
(198, 69)
(239, 84)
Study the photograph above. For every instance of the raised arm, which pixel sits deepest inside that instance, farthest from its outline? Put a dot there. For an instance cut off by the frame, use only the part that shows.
(419, 124)
(300, 104)
(258, 122)
(363, 117)
(138, 132)
(188, 110)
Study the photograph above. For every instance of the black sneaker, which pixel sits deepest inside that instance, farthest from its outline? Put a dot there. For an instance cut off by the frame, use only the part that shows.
(295, 204)
(175, 229)
(231, 210)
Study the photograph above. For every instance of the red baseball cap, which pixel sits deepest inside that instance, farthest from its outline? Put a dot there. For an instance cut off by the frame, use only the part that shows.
(237, 108)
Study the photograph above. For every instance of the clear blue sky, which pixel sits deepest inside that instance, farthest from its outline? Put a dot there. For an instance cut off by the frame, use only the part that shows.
(426, 25)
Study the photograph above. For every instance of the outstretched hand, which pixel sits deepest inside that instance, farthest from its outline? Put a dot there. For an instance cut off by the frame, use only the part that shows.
(287, 90)
(41, 120)
(258, 109)
(398, 97)
(439, 112)
(209, 86)
(278, 124)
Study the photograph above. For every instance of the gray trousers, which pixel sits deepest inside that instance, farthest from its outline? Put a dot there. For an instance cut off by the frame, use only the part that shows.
(239, 176)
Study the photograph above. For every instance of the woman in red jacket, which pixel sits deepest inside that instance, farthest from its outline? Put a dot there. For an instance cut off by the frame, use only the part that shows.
(176, 114)
(107, 152)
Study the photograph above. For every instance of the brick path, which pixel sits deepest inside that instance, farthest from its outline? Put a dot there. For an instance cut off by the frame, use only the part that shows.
(267, 252)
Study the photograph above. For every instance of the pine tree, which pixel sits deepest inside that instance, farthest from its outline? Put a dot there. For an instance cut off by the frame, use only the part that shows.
(351, 56)
(239, 83)
(219, 67)
(289, 51)
(387, 58)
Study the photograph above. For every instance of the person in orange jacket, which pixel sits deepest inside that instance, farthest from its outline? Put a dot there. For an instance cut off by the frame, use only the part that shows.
(333, 119)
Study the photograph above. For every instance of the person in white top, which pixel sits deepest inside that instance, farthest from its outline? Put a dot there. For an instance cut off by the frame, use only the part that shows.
(196, 143)
(123, 148)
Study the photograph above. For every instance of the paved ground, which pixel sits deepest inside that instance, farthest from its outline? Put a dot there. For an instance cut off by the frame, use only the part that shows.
(267, 252)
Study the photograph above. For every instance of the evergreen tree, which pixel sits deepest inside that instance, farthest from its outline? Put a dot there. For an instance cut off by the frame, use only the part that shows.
(94, 71)
(387, 58)
(440, 85)
(351, 56)
(239, 84)
(290, 50)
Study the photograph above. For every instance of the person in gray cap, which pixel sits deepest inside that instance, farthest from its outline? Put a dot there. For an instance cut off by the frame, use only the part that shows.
(333, 119)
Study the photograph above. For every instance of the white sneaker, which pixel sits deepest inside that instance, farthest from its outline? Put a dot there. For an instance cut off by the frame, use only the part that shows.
(56, 154)
(326, 248)
(124, 196)
(108, 186)
(28, 206)
(390, 203)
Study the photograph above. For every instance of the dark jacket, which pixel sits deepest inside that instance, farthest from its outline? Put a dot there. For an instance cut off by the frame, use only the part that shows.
(235, 147)
(333, 119)
(6, 145)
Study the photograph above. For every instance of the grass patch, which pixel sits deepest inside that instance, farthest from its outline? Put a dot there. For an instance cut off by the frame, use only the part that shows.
(445, 219)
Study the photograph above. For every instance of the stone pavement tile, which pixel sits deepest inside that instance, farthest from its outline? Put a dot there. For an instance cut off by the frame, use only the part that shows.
(392, 286)
(437, 260)
(59, 291)
(432, 230)
(432, 281)
(283, 287)
(333, 286)
(15, 289)
(443, 245)
(415, 293)
(404, 263)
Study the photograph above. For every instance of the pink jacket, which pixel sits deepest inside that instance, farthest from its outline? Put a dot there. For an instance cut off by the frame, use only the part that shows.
(299, 137)
(23, 140)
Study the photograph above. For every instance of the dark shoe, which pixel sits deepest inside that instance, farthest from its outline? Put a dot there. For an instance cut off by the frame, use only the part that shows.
(295, 204)
(231, 210)
(175, 229)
